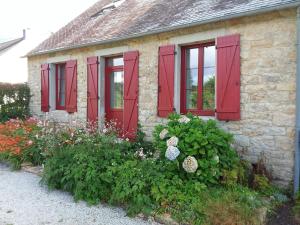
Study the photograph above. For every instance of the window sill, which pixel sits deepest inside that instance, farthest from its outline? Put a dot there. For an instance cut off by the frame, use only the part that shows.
(205, 118)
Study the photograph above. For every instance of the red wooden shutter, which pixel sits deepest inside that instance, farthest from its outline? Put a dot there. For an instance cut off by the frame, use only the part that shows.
(228, 77)
(131, 71)
(166, 69)
(45, 88)
(92, 89)
(71, 86)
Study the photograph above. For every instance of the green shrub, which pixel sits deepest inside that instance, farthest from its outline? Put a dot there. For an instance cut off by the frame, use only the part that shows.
(81, 168)
(133, 184)
(208, 144)
(102, 168)
(14, 101)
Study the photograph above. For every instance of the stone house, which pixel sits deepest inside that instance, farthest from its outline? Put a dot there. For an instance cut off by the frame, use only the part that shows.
(136, 61)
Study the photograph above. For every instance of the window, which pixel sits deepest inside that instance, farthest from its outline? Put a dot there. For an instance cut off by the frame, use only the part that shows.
(116, 89)
(60, 77)
(114, 70)
(198, 79)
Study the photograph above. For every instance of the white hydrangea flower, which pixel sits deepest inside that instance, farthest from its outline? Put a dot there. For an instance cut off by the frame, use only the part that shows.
(184, 119)
(190, 164)
(163, 134)
(216, 158)
(173, 141)
(172, 153)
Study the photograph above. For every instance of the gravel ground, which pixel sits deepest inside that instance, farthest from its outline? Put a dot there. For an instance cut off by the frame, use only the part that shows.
(23, 201)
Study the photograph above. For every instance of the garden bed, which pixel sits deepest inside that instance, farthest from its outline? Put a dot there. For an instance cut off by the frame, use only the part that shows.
(189, 174)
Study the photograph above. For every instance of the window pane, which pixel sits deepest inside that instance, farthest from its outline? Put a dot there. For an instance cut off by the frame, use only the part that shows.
(210, 56)
(116, 61)
(191, 88)
(192, 58)
(61, 84)
(116, 90)
(209, 75)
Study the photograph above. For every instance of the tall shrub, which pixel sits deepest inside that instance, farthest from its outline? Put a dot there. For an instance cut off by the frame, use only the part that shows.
(14, 101)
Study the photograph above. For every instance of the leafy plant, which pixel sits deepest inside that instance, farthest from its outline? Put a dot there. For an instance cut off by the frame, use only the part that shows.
(204, 141)
(14, 101)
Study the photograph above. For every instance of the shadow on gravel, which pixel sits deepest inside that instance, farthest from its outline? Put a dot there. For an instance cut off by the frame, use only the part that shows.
(283, 216)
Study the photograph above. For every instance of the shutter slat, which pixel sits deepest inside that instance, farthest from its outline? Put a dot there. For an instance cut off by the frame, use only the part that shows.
(92, 89)
(45, 87)
(71, 86)
(228, 77)
(166, 80)
(130, 117)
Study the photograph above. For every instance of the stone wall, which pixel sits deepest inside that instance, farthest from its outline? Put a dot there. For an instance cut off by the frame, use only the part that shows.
(268, 78)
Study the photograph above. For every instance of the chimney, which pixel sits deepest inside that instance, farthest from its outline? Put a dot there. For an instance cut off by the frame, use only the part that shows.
(24, 34)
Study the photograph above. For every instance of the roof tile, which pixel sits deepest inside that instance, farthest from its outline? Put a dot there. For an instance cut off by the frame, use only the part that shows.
(138, 17)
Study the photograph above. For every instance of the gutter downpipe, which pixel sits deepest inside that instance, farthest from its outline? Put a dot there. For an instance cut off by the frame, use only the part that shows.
(297, 138)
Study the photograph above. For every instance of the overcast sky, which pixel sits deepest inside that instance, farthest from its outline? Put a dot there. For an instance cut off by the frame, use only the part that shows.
(42, 16)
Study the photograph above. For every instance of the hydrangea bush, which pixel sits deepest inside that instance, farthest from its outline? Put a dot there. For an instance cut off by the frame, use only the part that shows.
(197, 149)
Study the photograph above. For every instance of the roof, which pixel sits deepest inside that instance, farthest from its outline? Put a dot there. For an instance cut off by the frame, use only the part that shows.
(105, 22)
(7, 44)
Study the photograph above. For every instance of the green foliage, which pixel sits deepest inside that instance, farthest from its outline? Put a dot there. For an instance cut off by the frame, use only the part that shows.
(14, 101)
(261, 183)
(14, 160)
(240, 174)
(210, 145)
(82, 168)
(102, 168)
(133, 183)
(209, 94)
(296, 208)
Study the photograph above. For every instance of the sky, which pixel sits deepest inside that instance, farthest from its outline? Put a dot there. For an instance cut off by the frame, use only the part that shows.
(40, 18)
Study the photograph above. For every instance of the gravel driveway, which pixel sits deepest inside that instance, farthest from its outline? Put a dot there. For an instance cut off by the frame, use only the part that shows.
(24, 202)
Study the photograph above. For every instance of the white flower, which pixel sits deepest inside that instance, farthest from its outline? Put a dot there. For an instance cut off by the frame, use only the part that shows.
(105, 131)
(172, 153)
(184, 119)
(173, 141)
(140, 153)
(190, 164)
(216, 158)
(163, 134)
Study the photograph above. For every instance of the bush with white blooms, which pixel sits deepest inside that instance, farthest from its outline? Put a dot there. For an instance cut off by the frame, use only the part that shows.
(197, 149)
